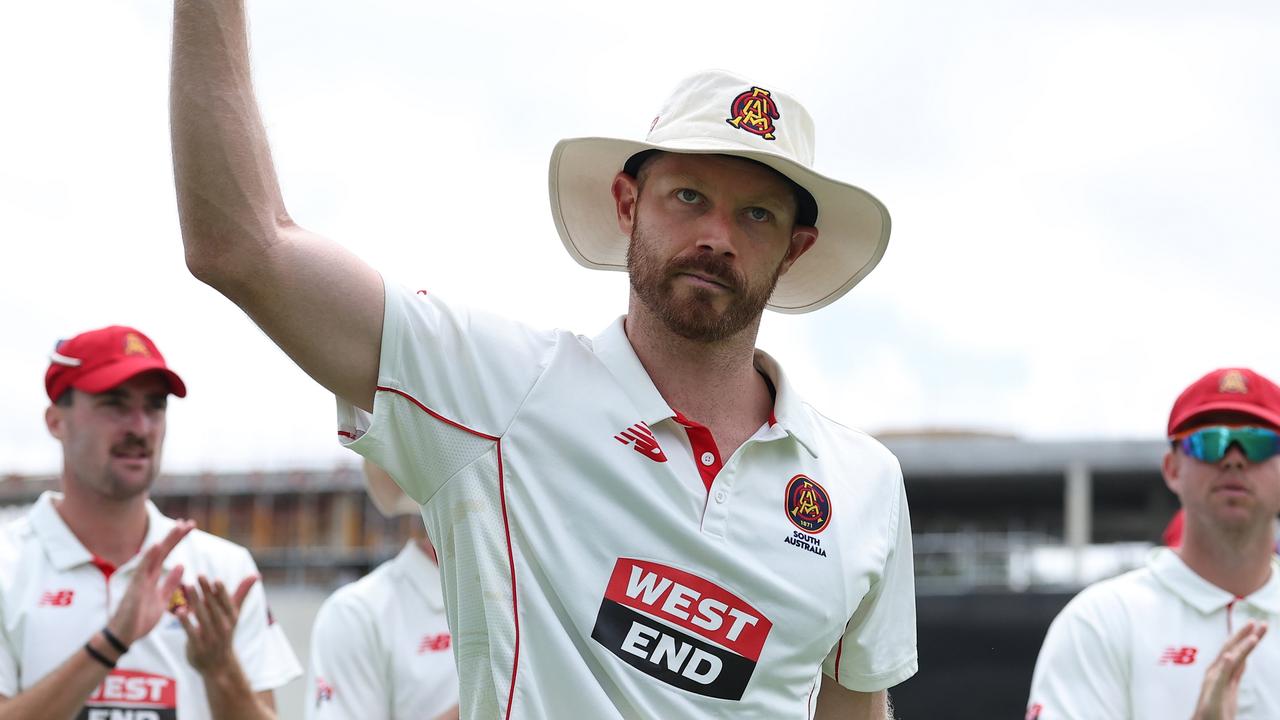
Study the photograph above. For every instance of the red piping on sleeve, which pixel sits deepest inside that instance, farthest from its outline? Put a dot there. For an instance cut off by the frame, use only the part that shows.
(438, 416)
(506, 528)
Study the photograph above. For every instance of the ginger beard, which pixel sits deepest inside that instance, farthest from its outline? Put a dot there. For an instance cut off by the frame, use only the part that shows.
(694, 316)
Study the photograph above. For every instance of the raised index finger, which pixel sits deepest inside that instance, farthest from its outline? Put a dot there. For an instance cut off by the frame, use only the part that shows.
(156, 554)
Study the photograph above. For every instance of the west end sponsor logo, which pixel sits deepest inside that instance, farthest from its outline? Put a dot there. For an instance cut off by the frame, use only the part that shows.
(680, 628)
(130, 695)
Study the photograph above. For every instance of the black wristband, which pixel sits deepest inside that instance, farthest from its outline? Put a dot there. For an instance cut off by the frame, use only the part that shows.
(99, 657)
(115, 641)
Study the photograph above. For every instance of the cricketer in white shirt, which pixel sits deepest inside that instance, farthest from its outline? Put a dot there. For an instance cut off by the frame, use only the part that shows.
(381, 648)
(54, 594)
(1135, 647)
(600, 559)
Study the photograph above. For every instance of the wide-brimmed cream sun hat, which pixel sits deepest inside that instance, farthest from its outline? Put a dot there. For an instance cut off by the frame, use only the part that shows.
(716, 112)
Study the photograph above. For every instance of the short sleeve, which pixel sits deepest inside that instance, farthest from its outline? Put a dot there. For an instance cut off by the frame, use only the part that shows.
(450, 381)
(8, 660)
(347, 676)
(261, 647)
(1081, 670)
(878, 649)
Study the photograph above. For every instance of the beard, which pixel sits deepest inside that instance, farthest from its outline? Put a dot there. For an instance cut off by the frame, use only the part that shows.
(695, 316)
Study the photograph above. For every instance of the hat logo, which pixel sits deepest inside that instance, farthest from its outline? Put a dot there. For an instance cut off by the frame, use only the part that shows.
(754, 111)
(1233, 382)
(133, 345)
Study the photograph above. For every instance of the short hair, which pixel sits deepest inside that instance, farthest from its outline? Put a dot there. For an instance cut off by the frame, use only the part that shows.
(65, 399)
(806, 206)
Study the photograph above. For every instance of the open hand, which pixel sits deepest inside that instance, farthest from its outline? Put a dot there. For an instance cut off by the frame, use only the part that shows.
(209, 617)
(1219, 694)
(148, 594)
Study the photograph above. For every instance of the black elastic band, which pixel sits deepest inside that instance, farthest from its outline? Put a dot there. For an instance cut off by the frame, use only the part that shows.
(99, 657)
(115, 641)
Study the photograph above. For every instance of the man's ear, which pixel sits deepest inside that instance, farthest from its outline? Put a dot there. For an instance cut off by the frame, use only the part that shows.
(803, 237)
(56, 421)
(1170, 468)
(626, 195)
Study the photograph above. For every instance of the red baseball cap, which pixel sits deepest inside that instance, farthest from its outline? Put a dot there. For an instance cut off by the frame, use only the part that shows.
(1228, 389)
(98, 360)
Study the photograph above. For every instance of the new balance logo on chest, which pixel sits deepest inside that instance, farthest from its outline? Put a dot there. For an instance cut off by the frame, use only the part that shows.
(57, 598)
(641, 439)
(1178, 656)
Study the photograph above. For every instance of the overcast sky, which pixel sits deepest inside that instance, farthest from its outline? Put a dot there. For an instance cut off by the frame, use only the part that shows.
(1084, 198)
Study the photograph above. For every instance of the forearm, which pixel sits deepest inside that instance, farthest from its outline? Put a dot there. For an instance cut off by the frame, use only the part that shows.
(838, 703)
(230, 697)
(63, 692)
(229, 200)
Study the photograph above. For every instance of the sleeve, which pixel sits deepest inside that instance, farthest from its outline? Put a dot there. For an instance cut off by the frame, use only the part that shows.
(347, 674)
(8, 658)
(261, 647)
(450, 381)
(1081, 672)
(878, 649)
(9, 651)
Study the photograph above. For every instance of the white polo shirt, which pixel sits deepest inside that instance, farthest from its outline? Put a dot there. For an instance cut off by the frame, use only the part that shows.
(381, 648)
(601, 559)
(1136, 647)
(54, 595)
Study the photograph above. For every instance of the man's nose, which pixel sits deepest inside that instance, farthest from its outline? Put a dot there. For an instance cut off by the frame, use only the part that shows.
(1234, 457)
(717, 233)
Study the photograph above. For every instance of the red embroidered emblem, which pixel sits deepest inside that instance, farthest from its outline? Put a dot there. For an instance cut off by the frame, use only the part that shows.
(641, 438)
(1178, 656)
(807, 504)
(754, 111)
(435, 643)
(1033, 712)
(59, 598)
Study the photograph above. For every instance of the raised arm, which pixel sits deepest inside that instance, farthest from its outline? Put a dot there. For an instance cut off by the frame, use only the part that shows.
(320, 303)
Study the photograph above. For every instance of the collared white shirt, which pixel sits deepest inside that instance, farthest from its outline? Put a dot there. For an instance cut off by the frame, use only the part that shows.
(55, 595)
(600, 559)
(1136, 647)
(381, 648)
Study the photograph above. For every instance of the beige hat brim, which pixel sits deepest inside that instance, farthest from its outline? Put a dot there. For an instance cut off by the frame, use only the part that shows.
(853, 226)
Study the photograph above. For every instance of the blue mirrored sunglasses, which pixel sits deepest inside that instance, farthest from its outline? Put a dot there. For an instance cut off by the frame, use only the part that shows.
(1210, 444)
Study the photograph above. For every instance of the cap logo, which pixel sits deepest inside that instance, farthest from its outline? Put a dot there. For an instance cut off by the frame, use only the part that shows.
(1233, 382)
(133, 345)
(754, 111)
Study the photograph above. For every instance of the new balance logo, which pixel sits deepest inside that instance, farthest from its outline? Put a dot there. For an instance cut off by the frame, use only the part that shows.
(1178, 656)
(60, 598)
(434, 643)
(641, 438)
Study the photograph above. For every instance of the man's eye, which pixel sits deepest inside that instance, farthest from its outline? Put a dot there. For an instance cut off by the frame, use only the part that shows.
(759, 214)
(685, 195)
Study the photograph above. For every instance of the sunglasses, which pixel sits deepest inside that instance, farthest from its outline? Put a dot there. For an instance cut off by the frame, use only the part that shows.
(1210, 444)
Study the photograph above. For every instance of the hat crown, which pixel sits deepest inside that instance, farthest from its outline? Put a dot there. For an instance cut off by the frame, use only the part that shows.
(715, 108)
(1239, 390)
(103, 358)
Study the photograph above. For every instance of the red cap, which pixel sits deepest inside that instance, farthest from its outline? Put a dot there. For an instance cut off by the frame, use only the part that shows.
(99, 360)
(1228, 389)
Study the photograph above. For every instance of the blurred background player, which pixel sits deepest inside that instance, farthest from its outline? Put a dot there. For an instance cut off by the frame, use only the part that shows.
(380, 647)
(83, 607)
(1143, 645)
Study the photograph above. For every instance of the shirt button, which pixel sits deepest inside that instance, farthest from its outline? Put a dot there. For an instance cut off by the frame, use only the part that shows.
(708, 458)
(720, 496)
